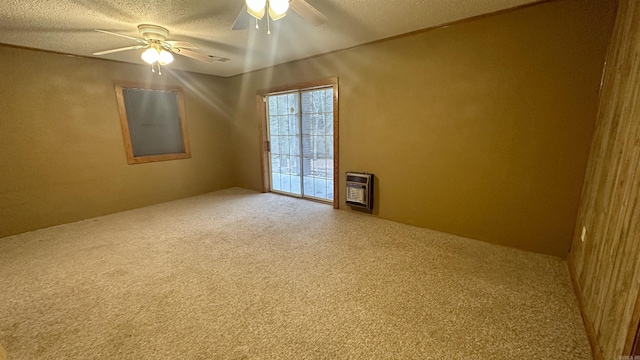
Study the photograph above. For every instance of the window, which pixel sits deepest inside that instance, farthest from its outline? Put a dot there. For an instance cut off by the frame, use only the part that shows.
(153, 121)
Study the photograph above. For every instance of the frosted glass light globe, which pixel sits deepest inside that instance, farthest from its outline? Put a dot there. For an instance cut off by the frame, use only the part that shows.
(256, 5)
(150, 55)
(165, 57)
(279, 7)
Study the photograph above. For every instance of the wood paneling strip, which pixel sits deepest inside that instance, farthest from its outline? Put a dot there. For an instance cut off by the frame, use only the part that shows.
(596, 350)
(607, 263)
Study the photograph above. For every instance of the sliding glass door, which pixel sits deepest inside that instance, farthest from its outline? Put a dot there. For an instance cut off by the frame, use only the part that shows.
(300, 135)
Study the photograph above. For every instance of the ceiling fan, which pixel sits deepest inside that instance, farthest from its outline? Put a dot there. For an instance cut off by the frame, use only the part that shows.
(276, 9)
(159, 49)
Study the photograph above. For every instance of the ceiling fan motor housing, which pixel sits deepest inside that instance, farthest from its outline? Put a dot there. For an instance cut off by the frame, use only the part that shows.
(153, 32)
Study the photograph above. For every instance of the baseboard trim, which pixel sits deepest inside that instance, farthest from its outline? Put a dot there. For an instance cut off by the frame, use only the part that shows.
(596, 350)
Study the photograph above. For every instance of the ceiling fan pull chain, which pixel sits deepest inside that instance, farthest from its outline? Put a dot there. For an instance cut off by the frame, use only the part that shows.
(257, 27)
(268, 25)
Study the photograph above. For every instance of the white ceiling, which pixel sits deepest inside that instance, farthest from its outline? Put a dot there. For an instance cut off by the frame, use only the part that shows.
(67, 26)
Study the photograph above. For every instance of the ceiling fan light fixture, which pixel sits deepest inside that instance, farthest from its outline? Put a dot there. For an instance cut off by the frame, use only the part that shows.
(151, 55)
(154, 54)
(278, 8)
(256, 8)
(156, 50)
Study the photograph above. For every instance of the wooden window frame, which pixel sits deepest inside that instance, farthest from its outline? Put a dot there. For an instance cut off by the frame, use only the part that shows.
(124, 123)
(262, 113)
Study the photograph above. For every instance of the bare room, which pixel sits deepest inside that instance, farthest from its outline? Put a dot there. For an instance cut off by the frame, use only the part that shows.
(320, 179)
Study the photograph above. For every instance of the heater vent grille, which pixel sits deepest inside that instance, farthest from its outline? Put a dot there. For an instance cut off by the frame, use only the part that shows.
(359, 190)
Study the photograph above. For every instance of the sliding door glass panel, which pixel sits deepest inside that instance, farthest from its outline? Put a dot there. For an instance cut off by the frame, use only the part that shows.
(316, 112)
(284, 135)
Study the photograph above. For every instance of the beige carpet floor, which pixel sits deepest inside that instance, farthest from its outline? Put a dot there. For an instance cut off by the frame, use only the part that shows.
(237, 274)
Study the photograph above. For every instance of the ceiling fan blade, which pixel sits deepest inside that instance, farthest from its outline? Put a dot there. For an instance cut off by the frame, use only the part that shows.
(308, 12)
(218, 58)
(135, 47)
(124, 36)
(242, 21)
(181, 44)
(198, 56)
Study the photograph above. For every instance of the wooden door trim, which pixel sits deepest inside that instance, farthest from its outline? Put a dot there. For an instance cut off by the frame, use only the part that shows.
(635, 349)
(264, 155)
(631, 345)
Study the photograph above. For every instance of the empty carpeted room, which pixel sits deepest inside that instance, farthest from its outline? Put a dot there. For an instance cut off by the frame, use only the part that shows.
(354, 180)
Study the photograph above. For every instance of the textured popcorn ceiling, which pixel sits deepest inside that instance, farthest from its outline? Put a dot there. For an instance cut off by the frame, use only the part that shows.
(67, 26)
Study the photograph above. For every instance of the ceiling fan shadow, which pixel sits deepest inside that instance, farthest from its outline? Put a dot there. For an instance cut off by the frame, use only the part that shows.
(112, 12)
(45, 30)
(217, 14)
(215, 45)
(342, 21)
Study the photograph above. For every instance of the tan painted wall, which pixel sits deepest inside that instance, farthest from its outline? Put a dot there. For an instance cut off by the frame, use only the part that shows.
(62, 154)
(481, 128)
(607, 262)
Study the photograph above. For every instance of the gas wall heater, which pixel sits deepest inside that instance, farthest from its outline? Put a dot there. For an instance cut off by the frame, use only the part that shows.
(360, 190)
